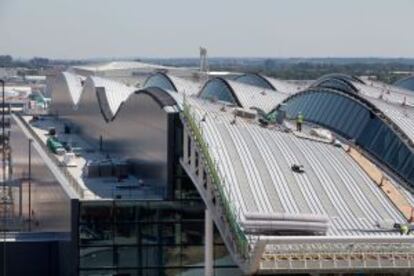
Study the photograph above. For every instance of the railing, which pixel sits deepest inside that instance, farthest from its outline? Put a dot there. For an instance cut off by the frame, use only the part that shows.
(240, 238)
(329, 252)
(71, 180)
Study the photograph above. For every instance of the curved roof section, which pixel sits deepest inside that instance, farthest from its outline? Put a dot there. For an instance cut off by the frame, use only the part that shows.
(161, 96)
(407, 83)
(110, 95)
(385, 92)
(117, 65)
(344, 77)
(385, 130)
(242, 95)
(269, 83)
(336, 83)
(74, 85)
(255, 80)
(219, 89)
(160, 80)
(164, 98)
(255, 163)
(172, 83)
(67, 89)
(396, 104)
(402, 116)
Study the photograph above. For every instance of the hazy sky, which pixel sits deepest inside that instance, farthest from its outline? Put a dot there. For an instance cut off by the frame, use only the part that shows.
(176, 28)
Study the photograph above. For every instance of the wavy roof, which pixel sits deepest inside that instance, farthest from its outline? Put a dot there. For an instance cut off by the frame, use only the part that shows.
(74, 84)
(173, 83)
(268, 83)
(396, 104)
(246, 96)
(118, 65)
(255, 164)
(340, 83)
(111, 95)
(344, 77)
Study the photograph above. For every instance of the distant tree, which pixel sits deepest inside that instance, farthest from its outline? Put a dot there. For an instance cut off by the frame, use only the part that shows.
(269, 65)
(6, 61)
(39, 62)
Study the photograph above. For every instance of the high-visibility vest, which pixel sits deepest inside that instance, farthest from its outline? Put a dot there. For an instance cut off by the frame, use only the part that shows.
(300, 119)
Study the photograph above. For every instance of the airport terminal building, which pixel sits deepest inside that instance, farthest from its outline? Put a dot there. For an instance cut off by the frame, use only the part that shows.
(182, 173)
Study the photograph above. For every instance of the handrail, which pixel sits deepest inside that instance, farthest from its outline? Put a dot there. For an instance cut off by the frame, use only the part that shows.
(241, 239)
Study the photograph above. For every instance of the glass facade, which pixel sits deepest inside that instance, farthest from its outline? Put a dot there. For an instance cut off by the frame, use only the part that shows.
(256, 80)
(146, 238)
(353, 120)
(160, 80)
(218, 90)
(149, 237)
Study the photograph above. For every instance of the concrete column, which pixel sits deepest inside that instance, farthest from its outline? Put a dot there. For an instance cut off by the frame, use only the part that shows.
(185, 146)
(200, 170)
(209, 245)
(193, 157)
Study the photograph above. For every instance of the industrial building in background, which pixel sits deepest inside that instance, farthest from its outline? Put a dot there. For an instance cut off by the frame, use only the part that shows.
(141, 169)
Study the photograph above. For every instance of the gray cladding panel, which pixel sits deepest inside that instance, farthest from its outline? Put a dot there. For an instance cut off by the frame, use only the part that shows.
(140, 133)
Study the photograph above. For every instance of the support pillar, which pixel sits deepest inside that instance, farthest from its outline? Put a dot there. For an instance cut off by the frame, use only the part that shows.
(200, 170)
(193, 157)
(209, 245)
(185, 146)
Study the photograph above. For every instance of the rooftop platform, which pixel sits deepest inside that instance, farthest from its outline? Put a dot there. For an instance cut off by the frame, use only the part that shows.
(95, 188)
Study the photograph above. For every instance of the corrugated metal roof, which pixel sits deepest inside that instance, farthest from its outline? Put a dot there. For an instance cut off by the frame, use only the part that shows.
(169, 81)
(396, 104)
(285, 86)
(74, 85)
(256, 162)
(402, 116)
(118, 65)
(115, 92)
(253, 96)
(388, 93)
(186, 86)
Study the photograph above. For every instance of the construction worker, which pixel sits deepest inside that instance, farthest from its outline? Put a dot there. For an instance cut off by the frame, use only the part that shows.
(403, 228)
(299, 122)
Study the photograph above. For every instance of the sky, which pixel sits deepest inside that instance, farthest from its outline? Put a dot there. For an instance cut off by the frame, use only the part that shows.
(227, 28)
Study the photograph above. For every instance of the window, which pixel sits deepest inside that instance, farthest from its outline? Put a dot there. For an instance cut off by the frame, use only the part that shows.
(255, 80)
(353, 120)
(161, 81)
(218, 90)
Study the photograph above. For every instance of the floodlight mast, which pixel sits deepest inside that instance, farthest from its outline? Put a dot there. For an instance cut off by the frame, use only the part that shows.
(203, 60)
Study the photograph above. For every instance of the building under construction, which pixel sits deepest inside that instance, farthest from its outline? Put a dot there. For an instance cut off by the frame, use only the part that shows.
(184, 173)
